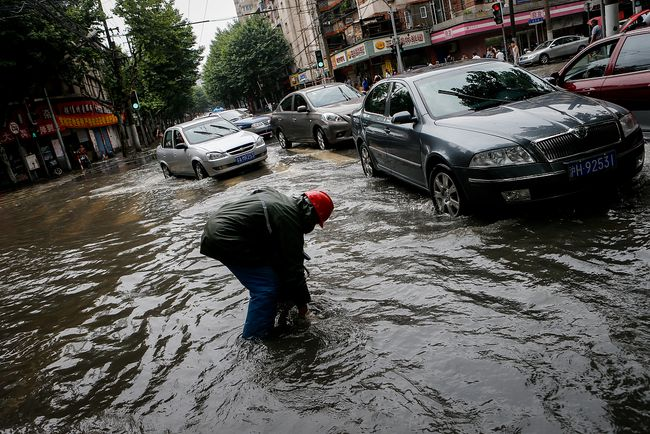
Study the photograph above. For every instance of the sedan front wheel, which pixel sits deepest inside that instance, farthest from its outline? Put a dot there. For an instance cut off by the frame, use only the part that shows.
(447, 198)
(199, 171)
(284, 143)
(321, 139)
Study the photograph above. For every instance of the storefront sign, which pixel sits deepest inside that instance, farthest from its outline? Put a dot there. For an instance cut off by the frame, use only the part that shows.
(84, 114)
(356, 52)
(536, 17)
(413, 40)
(382, 45)
(339, 59)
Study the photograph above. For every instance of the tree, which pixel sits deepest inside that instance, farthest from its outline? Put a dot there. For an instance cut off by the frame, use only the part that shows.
(245, 61)
(44, 41)
(165, 61)
(200, 101)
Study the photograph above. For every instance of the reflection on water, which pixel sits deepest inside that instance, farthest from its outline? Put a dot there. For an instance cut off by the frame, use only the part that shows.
(112, 321)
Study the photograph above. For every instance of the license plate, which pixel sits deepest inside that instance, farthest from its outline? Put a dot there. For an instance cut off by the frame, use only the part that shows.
(245, 157)
(591, 165)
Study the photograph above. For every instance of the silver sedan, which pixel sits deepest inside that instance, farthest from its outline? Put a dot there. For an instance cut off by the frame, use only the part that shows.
(208, 147)
(564, 46)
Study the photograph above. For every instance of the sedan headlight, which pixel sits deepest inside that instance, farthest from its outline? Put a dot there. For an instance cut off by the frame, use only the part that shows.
(215, 155)
(258, 125)
(331, 117)
(259, 141)
(502, 157)
(628, 124)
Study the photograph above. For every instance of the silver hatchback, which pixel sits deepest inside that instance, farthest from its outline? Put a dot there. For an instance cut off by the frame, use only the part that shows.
(208, 146)
(564, 46)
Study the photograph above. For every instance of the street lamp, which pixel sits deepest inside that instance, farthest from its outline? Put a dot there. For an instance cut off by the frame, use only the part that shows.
(400, 65)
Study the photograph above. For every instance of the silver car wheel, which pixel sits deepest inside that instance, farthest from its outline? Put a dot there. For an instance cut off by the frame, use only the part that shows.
(446, 197)
(199, 171)
(543, 59)
(165, 170)
(321, 139)
(366, 162)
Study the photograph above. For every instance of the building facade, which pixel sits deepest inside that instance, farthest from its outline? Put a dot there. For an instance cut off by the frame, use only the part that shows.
(42, 137)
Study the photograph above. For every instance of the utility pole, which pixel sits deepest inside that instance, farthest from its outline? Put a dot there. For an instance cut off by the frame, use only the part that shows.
(547, 19)
(511, 6)
(118, 76)
(400, 65)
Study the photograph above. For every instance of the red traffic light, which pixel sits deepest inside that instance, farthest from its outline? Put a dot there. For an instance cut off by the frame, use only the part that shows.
(497, 13)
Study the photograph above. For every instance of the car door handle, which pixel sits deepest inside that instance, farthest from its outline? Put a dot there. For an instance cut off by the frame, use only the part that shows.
(589, 90)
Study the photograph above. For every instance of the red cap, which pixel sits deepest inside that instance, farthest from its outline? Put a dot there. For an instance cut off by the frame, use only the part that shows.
(322, 203)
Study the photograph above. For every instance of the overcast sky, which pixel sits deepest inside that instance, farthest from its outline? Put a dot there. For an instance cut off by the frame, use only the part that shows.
(220, 12)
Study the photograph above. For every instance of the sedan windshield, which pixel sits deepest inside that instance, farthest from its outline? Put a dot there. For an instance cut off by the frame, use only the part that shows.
(332, 95)
(542, 45)
(210, 129)
(233, 115)
(477, 87)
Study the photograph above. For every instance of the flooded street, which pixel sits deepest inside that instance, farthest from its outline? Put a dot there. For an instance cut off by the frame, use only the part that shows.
(112, 321)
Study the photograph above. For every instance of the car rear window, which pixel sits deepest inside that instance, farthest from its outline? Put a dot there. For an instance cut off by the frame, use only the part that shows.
(331, 95)
(212, 128)
(634, 55)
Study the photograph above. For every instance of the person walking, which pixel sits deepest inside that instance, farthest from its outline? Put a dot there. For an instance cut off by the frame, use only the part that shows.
(260, 239)
(499, 55)
(596, 33)
(514, 49)
(365, 85)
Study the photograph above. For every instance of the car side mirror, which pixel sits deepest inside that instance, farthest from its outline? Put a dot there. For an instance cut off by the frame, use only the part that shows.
(302, 109)
(554, 79)
(181, 145)
(403, 117)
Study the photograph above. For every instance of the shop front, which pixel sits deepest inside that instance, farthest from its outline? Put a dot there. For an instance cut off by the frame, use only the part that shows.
(30, 148)
(375, 57)
(461, 40)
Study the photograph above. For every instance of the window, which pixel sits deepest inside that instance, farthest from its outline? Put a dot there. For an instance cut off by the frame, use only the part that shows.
(634, 56)
(298, 100)
(167, 143)
(592, 63)
(400, 100)
(332, 95)
(423, 11)
(376, 99)
(285, 105)
(178, 138)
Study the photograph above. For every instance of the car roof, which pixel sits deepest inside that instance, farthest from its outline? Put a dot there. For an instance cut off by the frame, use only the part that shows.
(632, 19)
(639, 31)
(439, 68)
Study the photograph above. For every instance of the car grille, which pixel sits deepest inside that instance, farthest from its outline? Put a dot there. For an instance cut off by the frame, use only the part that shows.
(568, 144)
(241, 149)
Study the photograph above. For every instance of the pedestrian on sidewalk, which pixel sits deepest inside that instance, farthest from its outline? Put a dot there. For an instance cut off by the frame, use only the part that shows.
(260, 239)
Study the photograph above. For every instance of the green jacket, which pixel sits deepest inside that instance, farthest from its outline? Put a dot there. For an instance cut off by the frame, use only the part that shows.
(264, 228)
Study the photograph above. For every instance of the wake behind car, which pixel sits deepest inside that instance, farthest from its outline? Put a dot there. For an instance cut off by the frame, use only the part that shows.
(317, 114)
(486, 133)
(256, 124)
(564, 46)
(208, 146)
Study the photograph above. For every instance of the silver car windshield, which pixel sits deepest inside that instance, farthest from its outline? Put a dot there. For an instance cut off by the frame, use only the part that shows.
(332, 95)
(542, 45)
(212, 128)
(478, 87)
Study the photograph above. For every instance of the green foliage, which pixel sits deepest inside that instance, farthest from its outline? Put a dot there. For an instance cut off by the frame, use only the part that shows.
(165, 63)
(201, 103)
(46, 41)
(246, 60)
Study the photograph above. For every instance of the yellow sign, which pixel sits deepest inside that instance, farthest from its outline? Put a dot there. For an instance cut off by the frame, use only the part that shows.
(87, 121)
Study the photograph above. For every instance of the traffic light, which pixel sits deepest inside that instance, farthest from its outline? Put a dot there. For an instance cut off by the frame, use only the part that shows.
(319, 59)
(497, 12)
(135, 102)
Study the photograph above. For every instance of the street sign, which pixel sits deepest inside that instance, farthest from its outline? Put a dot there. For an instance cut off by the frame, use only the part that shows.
(534, 21)
(14, 128)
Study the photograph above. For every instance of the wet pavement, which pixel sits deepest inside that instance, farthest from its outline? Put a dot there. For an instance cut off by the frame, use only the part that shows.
(112, 321)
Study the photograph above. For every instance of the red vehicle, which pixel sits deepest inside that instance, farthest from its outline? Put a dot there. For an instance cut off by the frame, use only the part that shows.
(636, 21)
(615, 69)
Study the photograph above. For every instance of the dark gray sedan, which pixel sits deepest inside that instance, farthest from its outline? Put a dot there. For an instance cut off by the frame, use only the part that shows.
(318, 114)
(486, 132)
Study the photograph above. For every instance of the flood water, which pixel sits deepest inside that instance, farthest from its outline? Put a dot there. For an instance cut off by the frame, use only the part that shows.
(112, 321)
